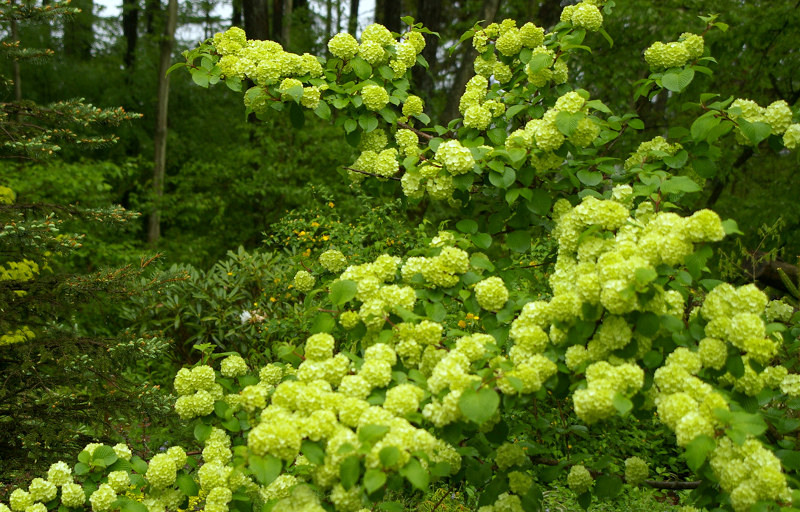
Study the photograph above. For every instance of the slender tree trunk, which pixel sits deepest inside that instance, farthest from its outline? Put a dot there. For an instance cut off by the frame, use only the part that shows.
(277, 20)
(160, 142)
(17, 76)
(236, 14)
(151, 10)
(256, 19)
(286, 29)
(352, 21)
(465, 70)
(130, 30)
(392, 11)
(430, 14)
(328, 20)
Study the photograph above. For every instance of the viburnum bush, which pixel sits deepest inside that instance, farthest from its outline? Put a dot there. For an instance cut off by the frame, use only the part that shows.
(424, 368)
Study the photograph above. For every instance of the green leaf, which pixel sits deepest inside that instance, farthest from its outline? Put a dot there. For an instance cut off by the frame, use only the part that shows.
(323, 322)
(343, 291)
(295, 92)
(540, 201)
(636, 123)
(350, 471)
(372, 433)
(389, 456)
(702, 126)
(735, 366)
(368, 123)
(187, 485)
(731, 227)
(678, 184)
(519, 241)
(202, 431)
(697, 451)
(607, 486)
(481, 240)
(589, 178)
(479, 260)
(467, 226)
(323, 111)
(82, 469)
(361, 68)
(313, 452)
(132, 506)
(266, 469)
(416, 474)
(374, 479)
(138, 465)
(677, 81)
(704, 167)
(645, 275)
(200, 77)
(538, 62)
(622, 404)
(391, 506)
(567, 123)
(106, 454)
(755, 132)
(648, 324)
(585, 499)
(478, 406)
(678, 160)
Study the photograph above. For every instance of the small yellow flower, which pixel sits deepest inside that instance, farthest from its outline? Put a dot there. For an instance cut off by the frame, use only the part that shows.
(315, 224)
(326, 237)
(230, 273)
(331, 204)
(302, 233)
(273, 299)
(462, 323)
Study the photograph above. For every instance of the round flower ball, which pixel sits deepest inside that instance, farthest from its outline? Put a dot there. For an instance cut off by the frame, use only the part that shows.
(304, 281)
(233, 366)
(375, 97)
(491, 293)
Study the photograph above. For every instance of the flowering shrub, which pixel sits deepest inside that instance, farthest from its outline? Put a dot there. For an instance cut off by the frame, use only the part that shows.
(392, 389)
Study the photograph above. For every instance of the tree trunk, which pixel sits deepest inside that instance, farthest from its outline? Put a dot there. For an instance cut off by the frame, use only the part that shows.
(160, 141)
(130, 30)
(352, 21)
(79, 31)
(17, 77)
(328, 21)
(277, 20)
(430, 15)
(380, 10)
(256, 19)
(236, 13)
(286, 28)
(392, 11)
(151, 10)
(465, 69)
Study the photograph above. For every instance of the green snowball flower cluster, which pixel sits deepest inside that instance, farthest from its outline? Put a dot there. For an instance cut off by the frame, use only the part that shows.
(604, 381)
(661, 56)
(777, 114)
(584, 15)
(303, 281)
(413, 106)
(491, 293)
(343, 46)
(791, 139)
(375, 97)
(636, 471)
(333, 260)
(579, 479)
(198, 391)
(651, 151)
(749, 473)
(233, 366)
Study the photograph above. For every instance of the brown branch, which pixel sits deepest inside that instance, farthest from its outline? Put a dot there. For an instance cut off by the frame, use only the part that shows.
(372, 174)
(415, 130)
(673, 485)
